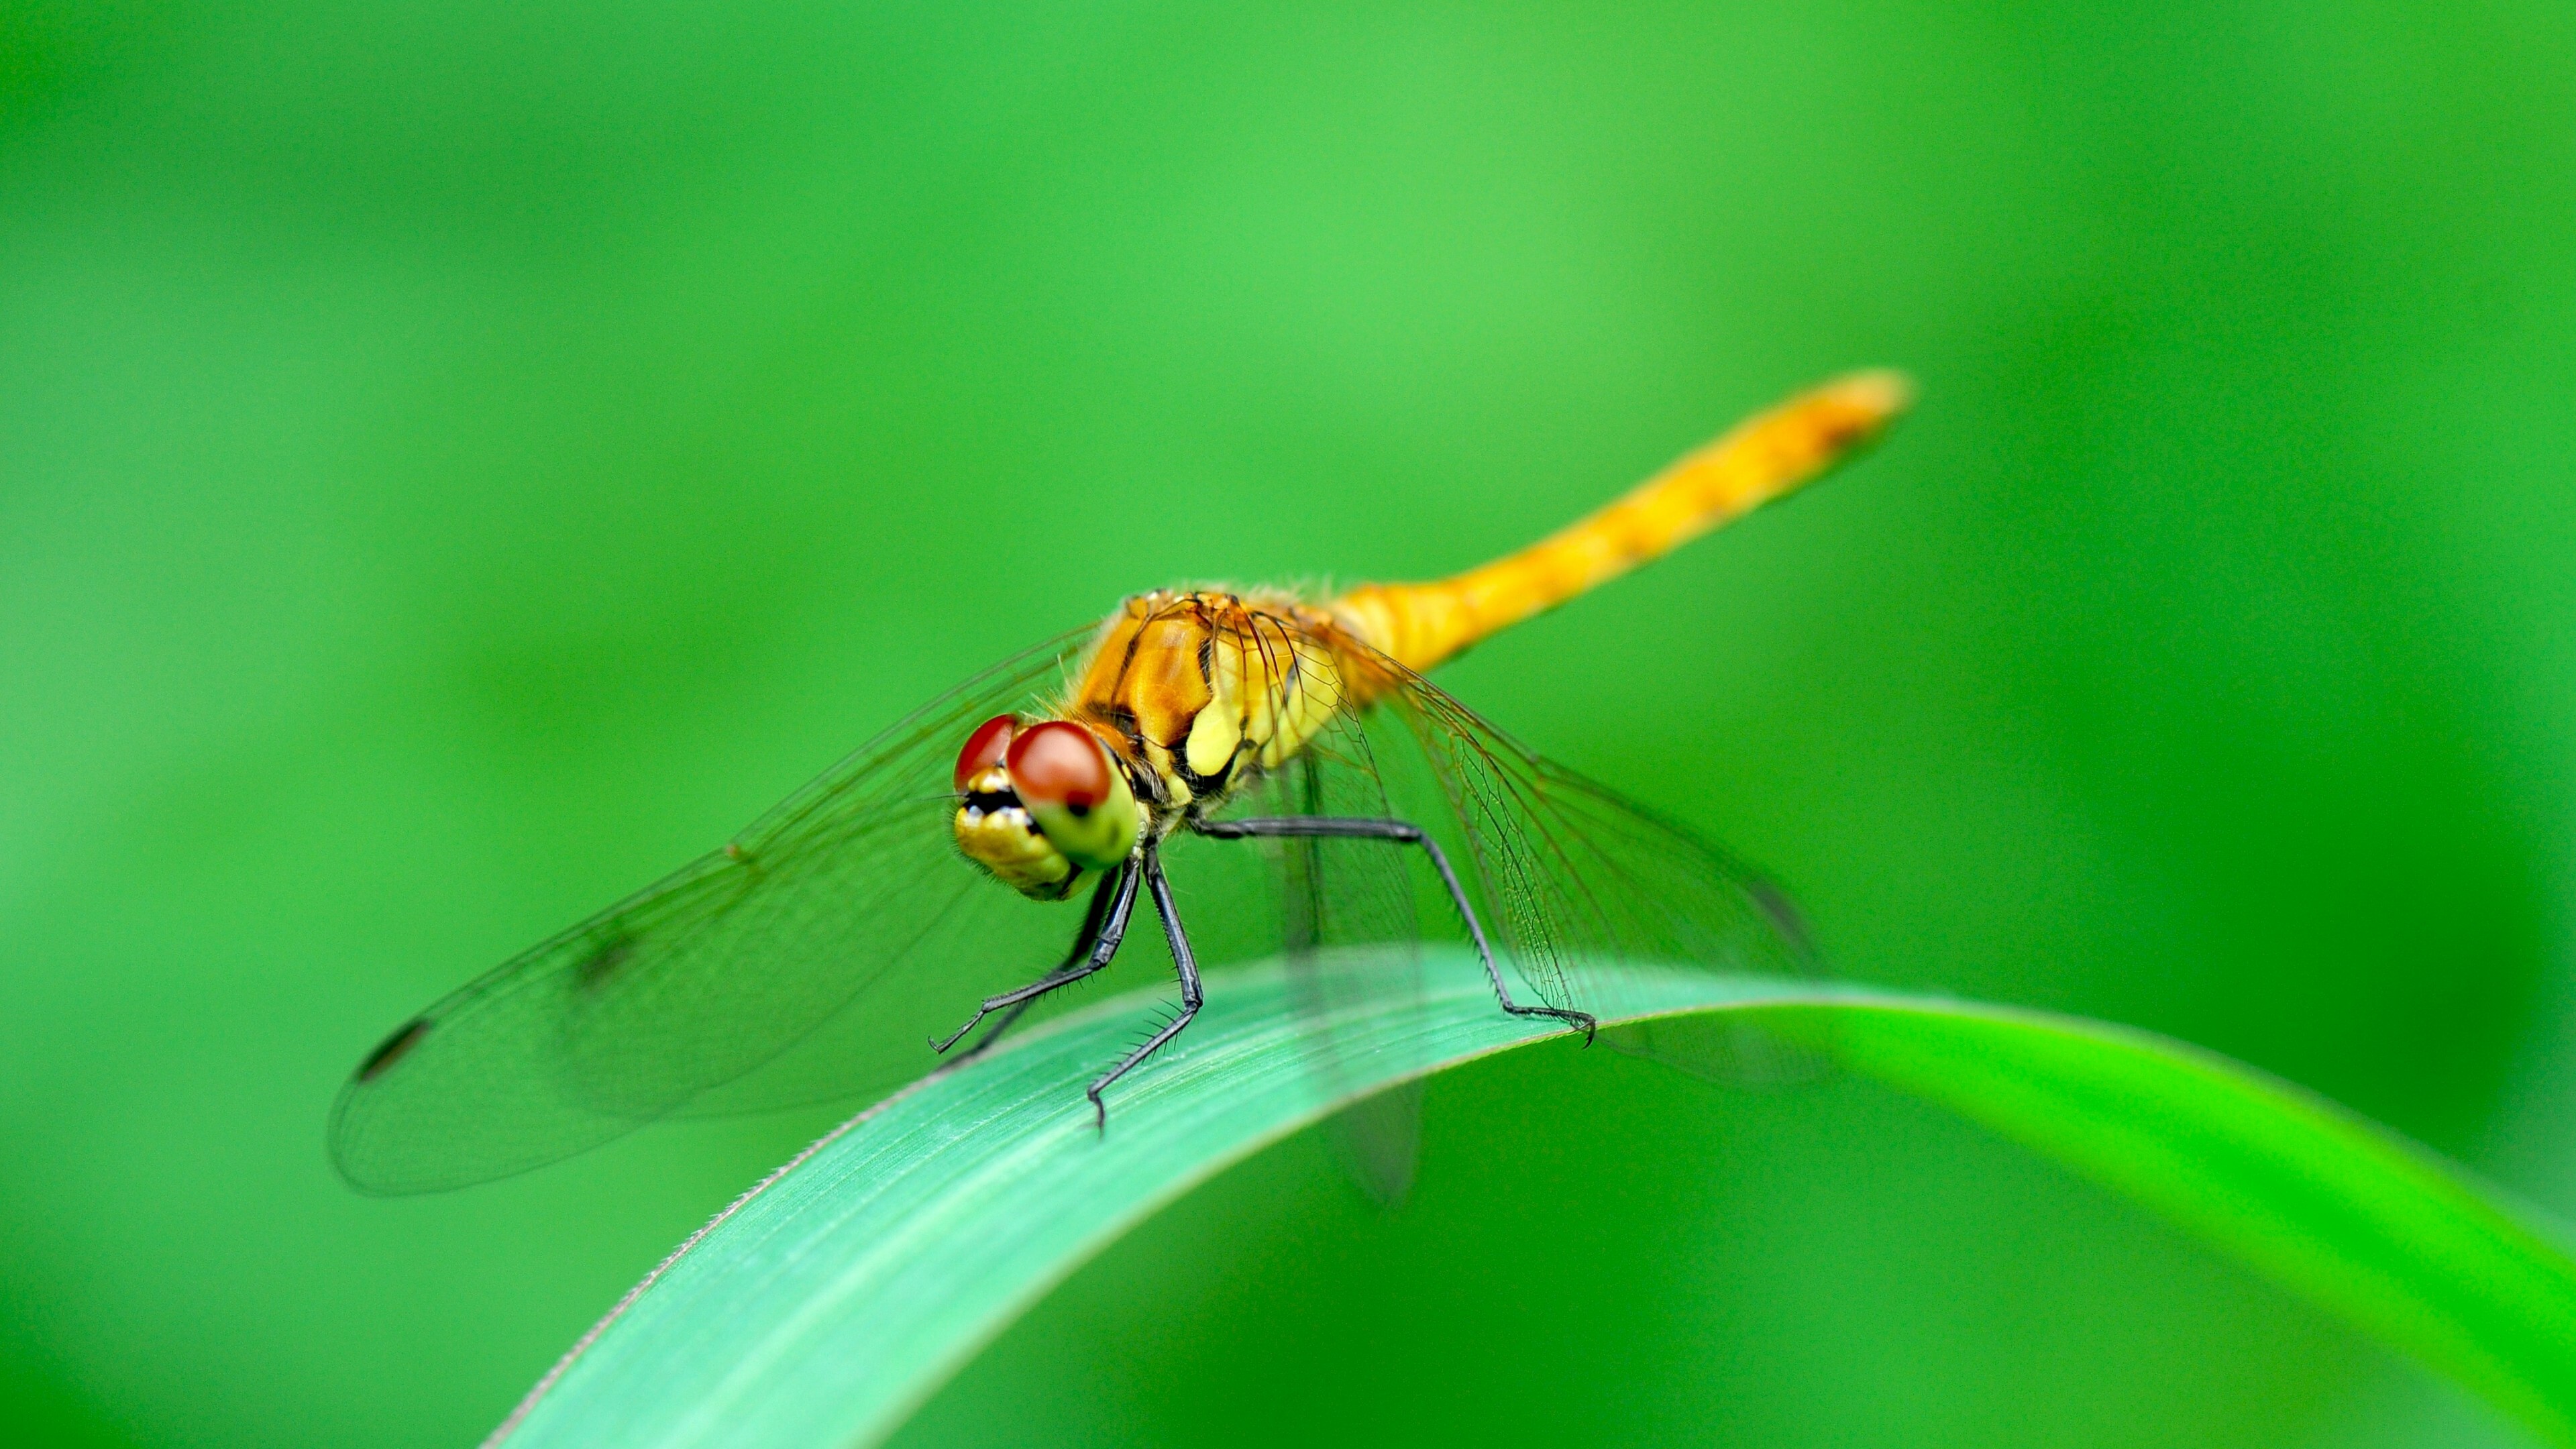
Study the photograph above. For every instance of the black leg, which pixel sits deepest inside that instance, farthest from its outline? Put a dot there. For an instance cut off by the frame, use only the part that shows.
(1190, 996)
(1102, 929)
(1396, 832)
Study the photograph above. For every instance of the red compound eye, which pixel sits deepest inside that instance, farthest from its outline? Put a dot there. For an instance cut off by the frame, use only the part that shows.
(1059, 764)
(984, 747)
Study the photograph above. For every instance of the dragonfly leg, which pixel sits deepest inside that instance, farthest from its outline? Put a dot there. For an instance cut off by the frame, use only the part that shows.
(1093, 947)
(1398, 832)
(1182, 962)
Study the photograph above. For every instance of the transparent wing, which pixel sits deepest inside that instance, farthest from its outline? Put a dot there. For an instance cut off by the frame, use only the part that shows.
(1569, 870)
(1560, 869)
(844, 913)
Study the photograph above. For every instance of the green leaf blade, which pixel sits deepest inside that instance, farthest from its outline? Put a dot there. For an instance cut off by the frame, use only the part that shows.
(2322, 1201)
(829, 1303)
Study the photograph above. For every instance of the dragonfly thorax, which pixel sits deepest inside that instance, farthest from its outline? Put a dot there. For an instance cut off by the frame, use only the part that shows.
(1202, 692)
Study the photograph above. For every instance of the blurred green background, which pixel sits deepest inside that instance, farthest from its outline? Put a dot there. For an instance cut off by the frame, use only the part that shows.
(458, 461)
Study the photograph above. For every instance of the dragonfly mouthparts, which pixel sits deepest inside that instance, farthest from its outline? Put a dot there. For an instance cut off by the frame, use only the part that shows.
(992, 802)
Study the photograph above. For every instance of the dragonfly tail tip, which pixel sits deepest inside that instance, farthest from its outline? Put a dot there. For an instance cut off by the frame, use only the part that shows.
(1881, 391)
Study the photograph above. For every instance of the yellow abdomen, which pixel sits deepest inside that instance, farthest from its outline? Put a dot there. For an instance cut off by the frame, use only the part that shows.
(1418, 625)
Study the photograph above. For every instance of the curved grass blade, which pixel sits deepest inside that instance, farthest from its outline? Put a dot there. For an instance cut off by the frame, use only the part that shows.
(2401, 1244)
(831, 1301)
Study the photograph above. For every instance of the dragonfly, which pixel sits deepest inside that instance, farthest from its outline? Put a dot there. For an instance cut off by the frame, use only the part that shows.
(1269, 771)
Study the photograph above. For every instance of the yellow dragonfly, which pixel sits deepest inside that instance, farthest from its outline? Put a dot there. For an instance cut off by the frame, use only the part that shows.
(808, 959)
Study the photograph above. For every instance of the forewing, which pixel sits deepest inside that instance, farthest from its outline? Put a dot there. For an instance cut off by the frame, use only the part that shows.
(845, 904)
(1570, 871)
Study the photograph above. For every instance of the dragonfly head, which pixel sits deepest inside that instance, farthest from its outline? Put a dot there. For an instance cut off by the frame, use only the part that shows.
(1041, 803)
